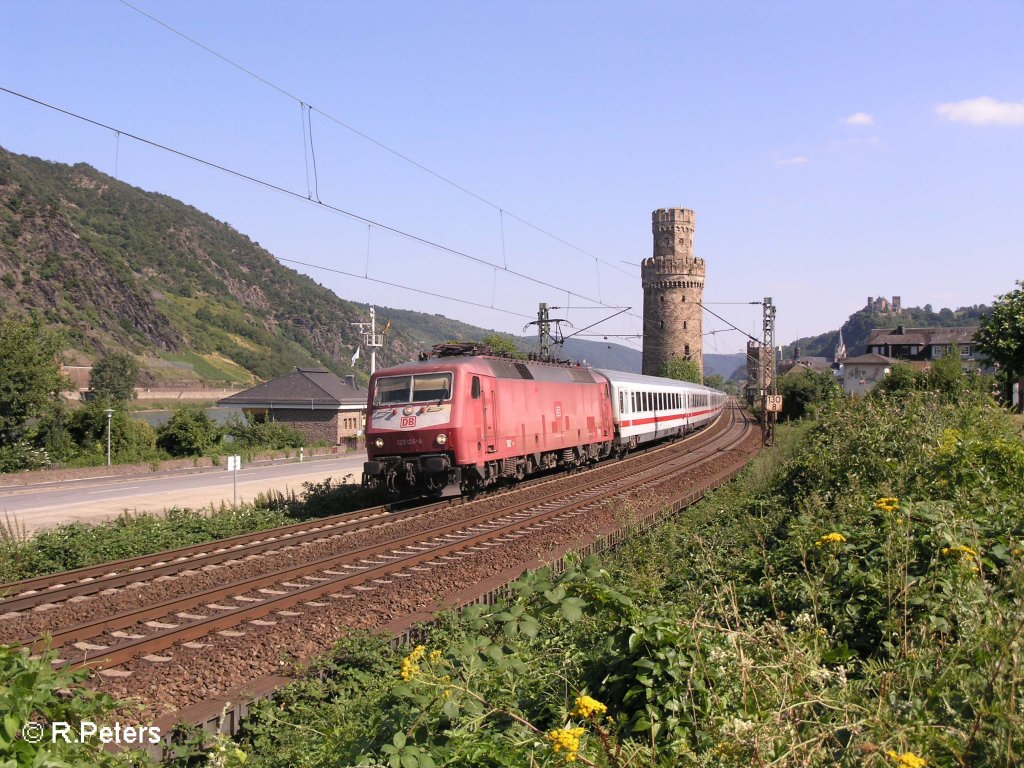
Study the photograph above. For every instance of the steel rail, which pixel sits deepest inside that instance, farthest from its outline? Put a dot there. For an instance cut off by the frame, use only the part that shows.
(54, 588)
(627, 479)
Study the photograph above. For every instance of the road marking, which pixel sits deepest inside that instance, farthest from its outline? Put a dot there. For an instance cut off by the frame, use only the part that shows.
(116, 490)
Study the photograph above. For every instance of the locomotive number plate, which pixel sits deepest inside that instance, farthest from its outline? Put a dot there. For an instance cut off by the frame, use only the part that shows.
(408, 421)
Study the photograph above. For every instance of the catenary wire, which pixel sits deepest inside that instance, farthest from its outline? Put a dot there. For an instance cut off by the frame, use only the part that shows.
(369, 138)
(290, 193)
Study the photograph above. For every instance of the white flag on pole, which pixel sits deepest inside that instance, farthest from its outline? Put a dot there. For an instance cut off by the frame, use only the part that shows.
(355, 356)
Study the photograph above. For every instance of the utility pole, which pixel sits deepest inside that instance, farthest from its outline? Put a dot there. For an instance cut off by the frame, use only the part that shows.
(770, 402)
(543, 323)
(544, 331)
(109, 412)
(371, 338)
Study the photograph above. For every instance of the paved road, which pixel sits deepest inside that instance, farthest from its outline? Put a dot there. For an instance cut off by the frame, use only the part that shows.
(95, 499)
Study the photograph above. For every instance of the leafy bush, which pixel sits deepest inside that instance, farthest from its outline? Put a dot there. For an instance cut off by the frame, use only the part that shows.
(806, 392)
(190, 432)
(21, 456)
(34, 694)
(130, 440)
(263, 435)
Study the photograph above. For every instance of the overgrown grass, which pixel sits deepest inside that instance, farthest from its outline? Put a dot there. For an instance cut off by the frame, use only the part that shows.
(82, 544)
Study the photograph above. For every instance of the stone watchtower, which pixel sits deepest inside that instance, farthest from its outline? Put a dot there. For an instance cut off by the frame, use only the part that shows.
(673, 282)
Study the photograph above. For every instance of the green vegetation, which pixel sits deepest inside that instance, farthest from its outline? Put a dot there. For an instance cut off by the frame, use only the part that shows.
(37, 428)
(1001, 336)
(503, 345)
(805, 392)
(114, 377)
(262, 435)
(34, 694)
(30, 384)
(855, 600)
(190, 432)
(681, 369)
(81, 544)
(715, 381)
(860, 324)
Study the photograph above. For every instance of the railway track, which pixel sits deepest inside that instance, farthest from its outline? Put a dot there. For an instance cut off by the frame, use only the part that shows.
(142, 635)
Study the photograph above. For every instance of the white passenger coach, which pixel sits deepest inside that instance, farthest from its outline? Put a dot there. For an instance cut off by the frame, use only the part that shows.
(649, 408)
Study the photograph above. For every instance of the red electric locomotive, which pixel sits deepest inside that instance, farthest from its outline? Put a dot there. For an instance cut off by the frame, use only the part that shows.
(447, 425)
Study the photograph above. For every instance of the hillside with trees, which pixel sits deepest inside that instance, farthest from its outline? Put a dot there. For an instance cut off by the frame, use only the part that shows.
(120, 270)
(860, 324)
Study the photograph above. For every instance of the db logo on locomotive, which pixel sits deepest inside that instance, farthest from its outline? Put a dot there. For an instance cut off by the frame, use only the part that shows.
(408, 421)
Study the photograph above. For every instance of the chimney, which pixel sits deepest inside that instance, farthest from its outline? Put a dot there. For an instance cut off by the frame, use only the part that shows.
(350, 380)
(899, 329)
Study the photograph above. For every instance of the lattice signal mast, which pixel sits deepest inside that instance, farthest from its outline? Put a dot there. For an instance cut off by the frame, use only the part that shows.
(371, 339)
(768, 385)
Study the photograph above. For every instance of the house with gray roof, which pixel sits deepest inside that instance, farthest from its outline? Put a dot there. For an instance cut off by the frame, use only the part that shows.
(923, 344)
(314, 401)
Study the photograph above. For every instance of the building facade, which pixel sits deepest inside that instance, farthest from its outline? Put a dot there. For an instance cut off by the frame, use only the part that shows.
(923, 344)
(859, 375)
(311, 400)
(673, 280)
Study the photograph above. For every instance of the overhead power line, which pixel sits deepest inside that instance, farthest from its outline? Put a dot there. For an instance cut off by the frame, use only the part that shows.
(298, 196)
(403, 287)
(371, 139)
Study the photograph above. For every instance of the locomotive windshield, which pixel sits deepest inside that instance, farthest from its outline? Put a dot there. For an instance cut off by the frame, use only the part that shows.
(421, 388)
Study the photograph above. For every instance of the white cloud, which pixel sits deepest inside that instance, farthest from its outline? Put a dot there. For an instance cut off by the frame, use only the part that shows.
(797, 160)
(983, 111)
(859, 118)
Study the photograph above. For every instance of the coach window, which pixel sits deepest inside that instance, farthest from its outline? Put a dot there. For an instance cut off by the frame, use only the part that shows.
(476, 388)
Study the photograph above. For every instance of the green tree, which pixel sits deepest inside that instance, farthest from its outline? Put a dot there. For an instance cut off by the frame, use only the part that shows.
(805, 392)
(947, 376)
(902, 378)
(681, 369)
(190, 432)
(130, 440)
(262, 435)
(1001, 335)
(715, 381)
(503, 345)
(30, 380)
(114, 377)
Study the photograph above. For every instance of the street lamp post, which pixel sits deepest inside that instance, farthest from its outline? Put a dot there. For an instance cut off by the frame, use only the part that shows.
(109, 412)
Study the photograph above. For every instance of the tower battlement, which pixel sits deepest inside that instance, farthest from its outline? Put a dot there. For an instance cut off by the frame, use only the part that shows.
(673, 280)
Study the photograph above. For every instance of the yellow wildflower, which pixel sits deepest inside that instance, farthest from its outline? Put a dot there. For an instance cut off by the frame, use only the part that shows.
(435, 656)
(586, 706)
(907, 759)
(966, 553)
(831, 538)
(411, 663)
(567, 739)
(888, 504)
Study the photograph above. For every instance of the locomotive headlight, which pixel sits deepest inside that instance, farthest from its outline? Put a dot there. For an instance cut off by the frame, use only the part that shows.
(379, 442)
(441, 439)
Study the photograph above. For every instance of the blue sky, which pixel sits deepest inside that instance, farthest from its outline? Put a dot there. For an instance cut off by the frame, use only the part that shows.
(831, 150)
